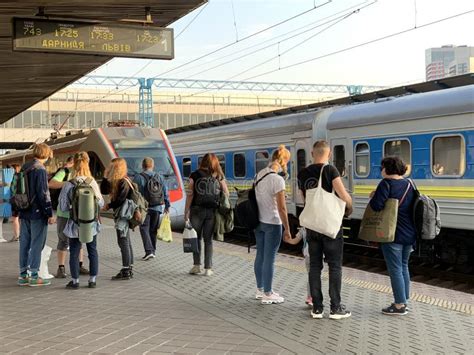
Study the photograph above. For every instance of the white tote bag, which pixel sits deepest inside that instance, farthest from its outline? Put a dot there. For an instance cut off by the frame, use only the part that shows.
(323, 211)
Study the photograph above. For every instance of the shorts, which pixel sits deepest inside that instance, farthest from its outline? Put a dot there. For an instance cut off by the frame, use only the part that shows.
(63, 240)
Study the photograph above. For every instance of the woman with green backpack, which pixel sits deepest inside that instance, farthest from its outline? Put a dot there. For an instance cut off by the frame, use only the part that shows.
(81, 198)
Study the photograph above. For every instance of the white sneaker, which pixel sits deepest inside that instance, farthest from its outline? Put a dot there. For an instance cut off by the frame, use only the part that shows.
(208, 272)
(2, 240)
(273, 298)
(196, 269)
(259, 294)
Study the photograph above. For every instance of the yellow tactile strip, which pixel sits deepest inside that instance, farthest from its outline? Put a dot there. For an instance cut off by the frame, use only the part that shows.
(453, 306)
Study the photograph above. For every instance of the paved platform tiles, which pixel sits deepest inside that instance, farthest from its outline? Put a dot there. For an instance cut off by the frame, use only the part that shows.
(165, 310)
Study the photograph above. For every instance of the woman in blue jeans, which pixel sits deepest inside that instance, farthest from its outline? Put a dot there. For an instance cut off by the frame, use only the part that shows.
(273, 217)
(397, 254)
(82, 173)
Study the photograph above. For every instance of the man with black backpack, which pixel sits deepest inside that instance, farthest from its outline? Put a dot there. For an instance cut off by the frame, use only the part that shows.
(55, 184)
(155, 192)
(32, 200)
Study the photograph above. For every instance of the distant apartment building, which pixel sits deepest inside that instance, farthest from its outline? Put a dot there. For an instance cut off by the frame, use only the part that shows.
(448, 60)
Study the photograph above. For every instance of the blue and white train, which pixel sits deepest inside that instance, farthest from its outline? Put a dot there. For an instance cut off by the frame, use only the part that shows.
(433, 132)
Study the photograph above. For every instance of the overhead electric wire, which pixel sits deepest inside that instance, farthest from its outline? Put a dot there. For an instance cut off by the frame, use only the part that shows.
(270, 40)
(342, 17)
(243, 39)
(361, 44)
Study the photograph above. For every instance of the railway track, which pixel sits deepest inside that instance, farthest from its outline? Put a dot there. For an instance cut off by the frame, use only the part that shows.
(370, 259)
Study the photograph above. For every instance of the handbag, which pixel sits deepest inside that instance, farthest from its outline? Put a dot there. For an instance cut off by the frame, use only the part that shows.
(323, 211)
(190, 239)
(380, 226)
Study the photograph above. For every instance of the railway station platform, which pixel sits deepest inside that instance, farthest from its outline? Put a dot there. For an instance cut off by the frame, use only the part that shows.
(166, 310)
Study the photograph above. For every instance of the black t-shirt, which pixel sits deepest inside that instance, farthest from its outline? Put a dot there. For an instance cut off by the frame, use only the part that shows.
(308, 178)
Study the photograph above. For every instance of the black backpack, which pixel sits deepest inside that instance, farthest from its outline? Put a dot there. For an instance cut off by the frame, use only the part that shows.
(20, 199)
(54, 193)
(154, 192)
(82, 185)
(246, 207)
(426, 215)
(207, 192)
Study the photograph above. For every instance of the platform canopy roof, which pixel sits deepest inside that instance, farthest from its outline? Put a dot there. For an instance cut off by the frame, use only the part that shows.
(27, 78)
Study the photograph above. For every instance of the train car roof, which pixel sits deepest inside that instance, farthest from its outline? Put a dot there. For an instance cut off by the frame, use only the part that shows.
(409, 107)
(424, 87)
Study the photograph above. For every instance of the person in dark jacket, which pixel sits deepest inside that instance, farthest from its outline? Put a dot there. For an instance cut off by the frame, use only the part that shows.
(118, 186)
(397, 254)
(149, 228)
(35, 220)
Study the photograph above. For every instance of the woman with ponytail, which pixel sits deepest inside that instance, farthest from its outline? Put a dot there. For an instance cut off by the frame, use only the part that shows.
(273, 217)
(82, 175)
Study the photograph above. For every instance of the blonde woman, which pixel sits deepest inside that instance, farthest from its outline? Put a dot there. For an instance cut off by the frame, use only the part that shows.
(116, 185)
(273, 217)
(82, 174)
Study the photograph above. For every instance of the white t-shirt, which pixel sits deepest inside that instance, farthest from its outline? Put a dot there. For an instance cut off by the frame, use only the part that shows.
(265, 192)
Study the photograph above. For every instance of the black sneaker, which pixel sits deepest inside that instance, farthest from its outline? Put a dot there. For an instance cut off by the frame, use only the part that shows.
(72, 286)
(123, 274)
(92, 284)
(61, 273)
(148, 257)
(317, 313)
(394, 311)
(339, 312)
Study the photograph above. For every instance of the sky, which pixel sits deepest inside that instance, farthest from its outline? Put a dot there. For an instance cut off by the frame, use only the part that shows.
(394, 61)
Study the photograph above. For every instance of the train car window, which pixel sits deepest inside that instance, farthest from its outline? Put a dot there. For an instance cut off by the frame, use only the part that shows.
(239, 165)
(261, 160)
(340, 159)
(300, 159)
(362, 159)
(399, 148)
(186, 167)
(221, 158)
(97, 170)
(448, 156)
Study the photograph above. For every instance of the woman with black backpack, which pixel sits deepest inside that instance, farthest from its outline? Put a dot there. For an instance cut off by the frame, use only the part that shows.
(69, 202)
(397, 254)
(118, 185)
(204, 189)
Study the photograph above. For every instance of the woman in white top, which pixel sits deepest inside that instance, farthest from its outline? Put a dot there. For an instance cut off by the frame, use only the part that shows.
(273, 217)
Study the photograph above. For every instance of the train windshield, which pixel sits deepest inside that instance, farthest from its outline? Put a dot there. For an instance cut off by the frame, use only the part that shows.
(134, 158)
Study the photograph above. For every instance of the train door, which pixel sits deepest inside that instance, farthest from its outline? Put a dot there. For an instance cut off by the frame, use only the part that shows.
(341, 159)
(302, 160)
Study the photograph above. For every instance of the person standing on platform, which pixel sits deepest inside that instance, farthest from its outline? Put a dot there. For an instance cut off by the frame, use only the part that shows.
(81, 175)
(397, 254)
(202, 200)
(116, 184)
(271, 200)
(55, 185)
(319, 245)
(34, 221)
(153, 188)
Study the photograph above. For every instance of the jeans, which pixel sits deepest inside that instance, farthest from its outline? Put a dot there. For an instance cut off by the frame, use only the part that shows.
(32, 240)
(268, 238)
(332, 249)
(126, 250)
(148, 231)
(75, 248)
(396, 257)
(203, 221)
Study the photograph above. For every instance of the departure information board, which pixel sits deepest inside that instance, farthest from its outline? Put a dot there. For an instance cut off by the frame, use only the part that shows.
(77, 37)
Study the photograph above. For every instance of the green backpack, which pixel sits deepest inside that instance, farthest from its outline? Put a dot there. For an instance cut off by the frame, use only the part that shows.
(141, 210)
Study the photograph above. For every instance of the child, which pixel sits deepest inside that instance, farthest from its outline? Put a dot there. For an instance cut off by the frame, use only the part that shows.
(301, 235)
